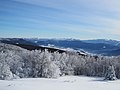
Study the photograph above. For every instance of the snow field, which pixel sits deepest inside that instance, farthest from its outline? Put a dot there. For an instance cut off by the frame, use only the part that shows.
(62, 83)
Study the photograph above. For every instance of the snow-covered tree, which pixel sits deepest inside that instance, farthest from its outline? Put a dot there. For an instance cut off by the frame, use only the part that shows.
(51, 70)
(110, 74)
(5, 72)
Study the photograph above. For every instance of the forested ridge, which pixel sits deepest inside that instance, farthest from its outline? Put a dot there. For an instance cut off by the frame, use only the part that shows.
(16, 62)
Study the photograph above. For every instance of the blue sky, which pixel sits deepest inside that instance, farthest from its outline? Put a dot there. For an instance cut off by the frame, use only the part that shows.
(80, 19)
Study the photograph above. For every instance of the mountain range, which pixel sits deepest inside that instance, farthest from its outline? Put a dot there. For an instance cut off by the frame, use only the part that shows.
(98, 46)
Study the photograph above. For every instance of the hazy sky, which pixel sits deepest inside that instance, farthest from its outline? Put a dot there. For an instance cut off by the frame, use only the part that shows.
(80, 19)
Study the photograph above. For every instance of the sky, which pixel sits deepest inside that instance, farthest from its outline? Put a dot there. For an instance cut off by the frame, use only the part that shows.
(78, 19)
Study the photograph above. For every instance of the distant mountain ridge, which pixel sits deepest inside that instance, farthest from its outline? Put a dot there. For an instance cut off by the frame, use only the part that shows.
(100, 46)
(105, 41)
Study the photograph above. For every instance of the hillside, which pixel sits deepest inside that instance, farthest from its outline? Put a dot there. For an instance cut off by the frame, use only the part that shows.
(44, 62)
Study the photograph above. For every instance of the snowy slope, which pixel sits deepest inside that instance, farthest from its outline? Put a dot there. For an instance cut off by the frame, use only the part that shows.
(63, 83)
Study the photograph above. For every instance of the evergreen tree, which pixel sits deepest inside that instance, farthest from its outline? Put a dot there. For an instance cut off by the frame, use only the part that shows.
(110, 74)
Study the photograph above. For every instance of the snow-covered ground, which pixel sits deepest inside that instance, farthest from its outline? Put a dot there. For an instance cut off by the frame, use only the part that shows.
(62, 83)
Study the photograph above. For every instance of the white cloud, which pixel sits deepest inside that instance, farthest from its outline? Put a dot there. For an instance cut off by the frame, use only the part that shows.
(102, 16)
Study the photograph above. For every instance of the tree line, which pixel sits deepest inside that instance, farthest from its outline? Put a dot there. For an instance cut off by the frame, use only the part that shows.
(21, 63)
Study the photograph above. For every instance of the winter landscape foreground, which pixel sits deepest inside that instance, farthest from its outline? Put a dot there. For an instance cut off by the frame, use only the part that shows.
(22, 69)
(62, 83)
